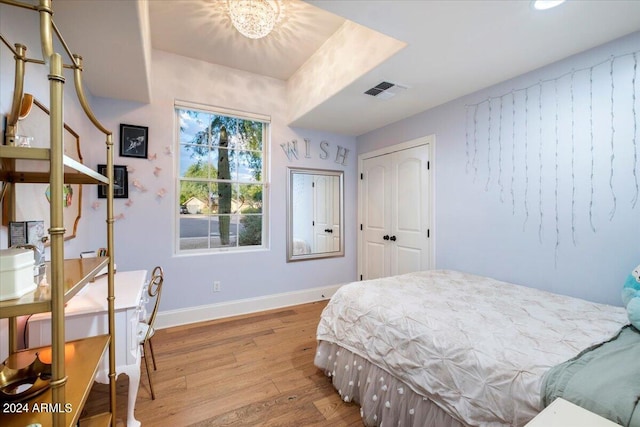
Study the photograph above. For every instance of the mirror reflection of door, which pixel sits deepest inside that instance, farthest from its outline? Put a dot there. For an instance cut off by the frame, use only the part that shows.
(326, 204)
(314, 214)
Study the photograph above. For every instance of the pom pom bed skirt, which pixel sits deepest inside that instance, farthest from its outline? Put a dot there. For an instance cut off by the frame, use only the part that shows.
(384, 400)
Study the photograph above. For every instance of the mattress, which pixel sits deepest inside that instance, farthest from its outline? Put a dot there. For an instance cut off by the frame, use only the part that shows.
(476, 347)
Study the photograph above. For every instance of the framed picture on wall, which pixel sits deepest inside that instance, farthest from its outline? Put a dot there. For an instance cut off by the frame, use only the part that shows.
(134, 141)
(120, 182)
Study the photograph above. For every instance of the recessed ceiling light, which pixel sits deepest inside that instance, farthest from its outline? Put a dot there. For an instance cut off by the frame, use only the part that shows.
(545, 4)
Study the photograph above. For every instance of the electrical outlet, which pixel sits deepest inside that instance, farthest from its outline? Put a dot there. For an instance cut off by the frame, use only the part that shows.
(216, 286)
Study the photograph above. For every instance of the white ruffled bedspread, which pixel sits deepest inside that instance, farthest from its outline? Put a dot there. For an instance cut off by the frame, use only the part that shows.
(477, 347)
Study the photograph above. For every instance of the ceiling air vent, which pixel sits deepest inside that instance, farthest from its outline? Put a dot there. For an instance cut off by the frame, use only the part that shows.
(385, 90)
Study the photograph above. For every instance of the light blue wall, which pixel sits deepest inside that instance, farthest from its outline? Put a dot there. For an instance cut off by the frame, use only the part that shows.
(145, 227)
(484, 222)
(145, 233)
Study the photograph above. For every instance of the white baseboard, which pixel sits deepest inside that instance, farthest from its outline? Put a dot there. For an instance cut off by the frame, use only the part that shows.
(167, 319)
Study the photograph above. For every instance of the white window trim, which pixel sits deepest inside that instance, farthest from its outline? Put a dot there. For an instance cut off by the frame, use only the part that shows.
(266, 224)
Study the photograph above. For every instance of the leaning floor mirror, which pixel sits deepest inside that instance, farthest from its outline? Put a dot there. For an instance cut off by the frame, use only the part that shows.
(315, 219)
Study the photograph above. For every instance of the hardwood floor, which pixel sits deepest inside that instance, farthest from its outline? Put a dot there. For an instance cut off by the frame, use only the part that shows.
(248, 370)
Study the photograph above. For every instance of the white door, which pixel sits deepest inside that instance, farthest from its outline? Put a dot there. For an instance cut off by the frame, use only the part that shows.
(376, 221)
(409, 211)
(395, 213)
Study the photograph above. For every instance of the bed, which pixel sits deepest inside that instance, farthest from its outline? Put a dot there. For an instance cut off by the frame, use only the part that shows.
(445, 348)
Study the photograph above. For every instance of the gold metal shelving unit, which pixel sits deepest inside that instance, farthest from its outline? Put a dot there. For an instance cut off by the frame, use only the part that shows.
(73, 374)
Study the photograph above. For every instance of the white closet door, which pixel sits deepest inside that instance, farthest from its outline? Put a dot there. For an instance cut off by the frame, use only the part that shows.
(376, 210)
(395, 213)
(409, 211)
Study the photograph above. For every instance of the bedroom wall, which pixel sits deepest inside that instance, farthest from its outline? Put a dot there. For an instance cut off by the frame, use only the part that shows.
(144, 230)
(539, 188)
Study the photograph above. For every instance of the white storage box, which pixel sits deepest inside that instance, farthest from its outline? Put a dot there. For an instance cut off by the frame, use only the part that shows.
(16, 273)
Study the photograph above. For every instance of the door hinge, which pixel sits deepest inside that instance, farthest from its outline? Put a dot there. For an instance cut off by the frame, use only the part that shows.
(360, 227)
(361, 176)
(428, 232)
(313, 223)
(428, 165)
(361, 277)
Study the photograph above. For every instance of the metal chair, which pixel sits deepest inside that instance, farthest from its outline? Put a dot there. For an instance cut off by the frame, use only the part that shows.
(145, 328)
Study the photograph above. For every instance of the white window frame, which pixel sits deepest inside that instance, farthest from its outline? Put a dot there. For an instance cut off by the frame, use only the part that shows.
(266, 143)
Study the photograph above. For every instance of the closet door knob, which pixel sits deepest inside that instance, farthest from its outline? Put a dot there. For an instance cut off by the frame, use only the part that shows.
(385, 237)
(328, 230)
(392, 238)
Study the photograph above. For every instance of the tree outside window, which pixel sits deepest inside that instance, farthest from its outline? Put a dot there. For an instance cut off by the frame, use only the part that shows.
(221, 181)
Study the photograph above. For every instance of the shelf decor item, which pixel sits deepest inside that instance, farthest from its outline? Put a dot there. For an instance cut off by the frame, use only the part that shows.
(24, 141)
(134, 141)
(17, 385)
(16, 273)
(27, 233)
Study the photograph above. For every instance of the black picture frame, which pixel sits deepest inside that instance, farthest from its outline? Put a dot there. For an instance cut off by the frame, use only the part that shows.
(120, 181)
(134, 141)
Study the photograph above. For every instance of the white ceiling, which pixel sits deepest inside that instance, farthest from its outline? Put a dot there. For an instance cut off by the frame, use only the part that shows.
(453, 47)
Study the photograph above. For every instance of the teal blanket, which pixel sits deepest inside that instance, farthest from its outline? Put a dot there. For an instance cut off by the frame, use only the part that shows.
(605, 379)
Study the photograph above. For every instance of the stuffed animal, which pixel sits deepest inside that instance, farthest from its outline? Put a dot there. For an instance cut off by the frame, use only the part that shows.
(631, 297)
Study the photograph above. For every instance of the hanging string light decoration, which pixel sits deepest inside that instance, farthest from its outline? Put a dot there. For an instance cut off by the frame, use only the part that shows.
(486, 187)
(613, 133)
(475, 143)
(540, 145)
(573, 160)
(466, 139)
(555, 189)
(513, 153)
(593, 228)
(600, 112)
(500, 184)
(635, 128)
(526, 157)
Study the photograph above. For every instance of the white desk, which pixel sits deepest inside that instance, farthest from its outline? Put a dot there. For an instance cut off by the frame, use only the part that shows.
(86, 315)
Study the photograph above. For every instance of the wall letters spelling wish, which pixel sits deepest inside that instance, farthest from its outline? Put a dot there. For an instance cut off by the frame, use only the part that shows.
(291, 150)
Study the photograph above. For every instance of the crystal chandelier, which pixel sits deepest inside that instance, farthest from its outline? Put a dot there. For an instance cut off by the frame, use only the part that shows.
(254, 18)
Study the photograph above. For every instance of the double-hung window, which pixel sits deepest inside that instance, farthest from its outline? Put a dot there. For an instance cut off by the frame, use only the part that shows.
(222, 189)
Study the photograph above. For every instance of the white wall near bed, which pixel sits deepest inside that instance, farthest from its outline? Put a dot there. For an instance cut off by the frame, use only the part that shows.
(482, 223)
